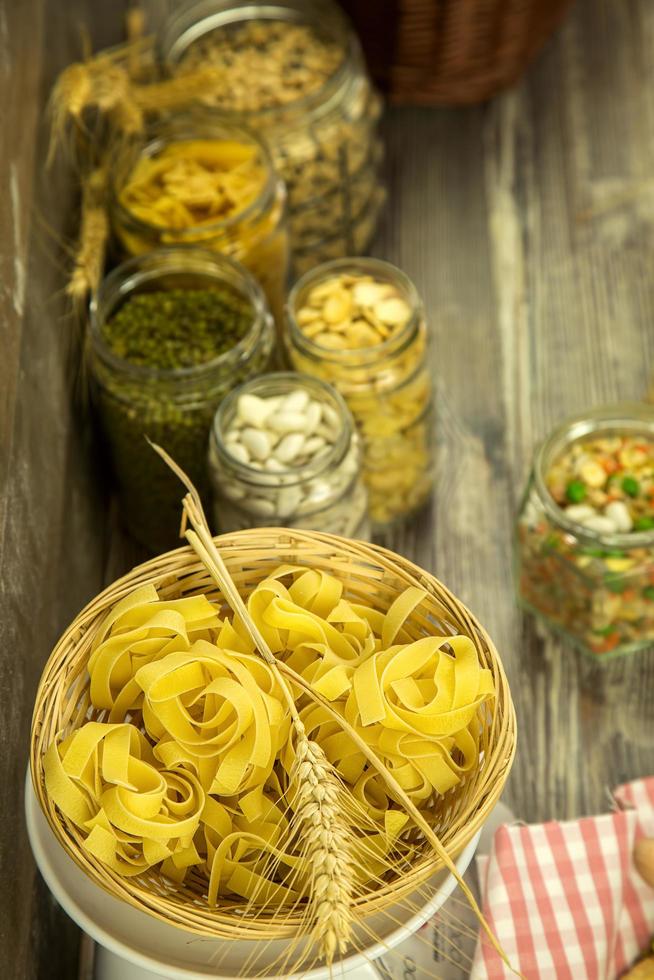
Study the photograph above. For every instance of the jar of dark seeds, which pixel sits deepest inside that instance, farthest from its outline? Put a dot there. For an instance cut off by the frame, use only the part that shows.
(294, 72)
(172, 331)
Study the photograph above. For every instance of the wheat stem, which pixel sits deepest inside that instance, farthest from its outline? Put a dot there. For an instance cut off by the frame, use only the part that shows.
(94, 232)
(318, 824)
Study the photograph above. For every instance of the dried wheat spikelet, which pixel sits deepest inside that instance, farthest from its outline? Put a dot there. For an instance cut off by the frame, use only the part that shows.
(94, 232)
(321, 851)
(330, 902)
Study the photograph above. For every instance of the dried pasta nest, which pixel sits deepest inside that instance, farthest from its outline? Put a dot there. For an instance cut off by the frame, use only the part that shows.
(371, 575)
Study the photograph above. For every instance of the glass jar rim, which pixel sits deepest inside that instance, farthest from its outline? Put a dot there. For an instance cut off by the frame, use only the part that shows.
(172, 50)
(159, 136)
(127, 277)
(605, 419)
(366, 266)
(291, 380)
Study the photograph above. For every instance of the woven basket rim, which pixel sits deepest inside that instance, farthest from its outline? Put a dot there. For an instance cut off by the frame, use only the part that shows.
(373, 563)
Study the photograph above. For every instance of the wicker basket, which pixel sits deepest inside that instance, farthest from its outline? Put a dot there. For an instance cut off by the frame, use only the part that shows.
(429, 52)
(371, 575)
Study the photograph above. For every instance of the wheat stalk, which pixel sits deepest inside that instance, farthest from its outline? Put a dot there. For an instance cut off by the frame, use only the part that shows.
(318, 822)
(94, 232)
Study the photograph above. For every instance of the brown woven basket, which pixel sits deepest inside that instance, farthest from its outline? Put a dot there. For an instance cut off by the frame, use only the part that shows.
(428, 52)
(371, 575)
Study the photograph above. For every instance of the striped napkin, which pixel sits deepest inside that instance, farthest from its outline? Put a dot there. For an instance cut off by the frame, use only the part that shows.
(564, 899)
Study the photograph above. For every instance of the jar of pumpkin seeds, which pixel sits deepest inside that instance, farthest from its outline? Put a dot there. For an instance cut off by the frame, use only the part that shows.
(359, 324)
(294, 72)
(172, 331)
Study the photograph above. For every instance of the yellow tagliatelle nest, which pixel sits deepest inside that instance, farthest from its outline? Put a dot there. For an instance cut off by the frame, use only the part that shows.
(187, 762)
(191, 183)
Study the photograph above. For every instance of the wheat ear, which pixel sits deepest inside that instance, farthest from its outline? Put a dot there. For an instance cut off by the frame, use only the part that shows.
(94, 232)
(318, 823)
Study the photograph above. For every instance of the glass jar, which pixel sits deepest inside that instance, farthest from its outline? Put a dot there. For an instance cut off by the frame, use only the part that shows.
(173, 407)
(256, 236)
(325, 142)
(595, 588)
(324, 493)
(386, 386)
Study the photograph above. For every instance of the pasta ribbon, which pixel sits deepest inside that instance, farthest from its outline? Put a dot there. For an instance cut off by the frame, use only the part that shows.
(188, 758)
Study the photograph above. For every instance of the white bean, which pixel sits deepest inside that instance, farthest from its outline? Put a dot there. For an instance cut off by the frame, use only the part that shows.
(580, 512)
(314, 445)
(261, 506)
(312, 417)
(239, 452)
(618, 512)
(256, 442)
(289, 447)
(287, 422)
(601, 524)
(288, 501)
(254, 410)
(297, 401)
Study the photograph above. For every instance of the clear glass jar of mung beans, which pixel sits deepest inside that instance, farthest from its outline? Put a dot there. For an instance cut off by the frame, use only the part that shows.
(359, 324)
(294, 72)
(172, 331)
(284, 451)
(585, 532)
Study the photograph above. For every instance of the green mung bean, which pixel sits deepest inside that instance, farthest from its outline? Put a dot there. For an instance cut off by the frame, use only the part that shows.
(177, 328)
(173, 369)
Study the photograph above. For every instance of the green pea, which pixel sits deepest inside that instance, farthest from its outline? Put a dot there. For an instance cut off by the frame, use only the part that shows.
(605, 630)
(631, 486)
(643, 523)
(575, 491)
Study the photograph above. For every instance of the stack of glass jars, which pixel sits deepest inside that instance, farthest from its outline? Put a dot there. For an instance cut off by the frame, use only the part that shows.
(325, 142)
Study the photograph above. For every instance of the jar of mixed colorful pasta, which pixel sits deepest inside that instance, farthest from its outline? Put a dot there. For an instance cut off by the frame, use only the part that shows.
(172, 332)
(284, 452)
(294, 72)
(359, 324)
(585, 535)
(198, 180)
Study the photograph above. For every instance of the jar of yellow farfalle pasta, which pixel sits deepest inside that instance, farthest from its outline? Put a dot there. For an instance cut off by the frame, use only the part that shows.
(359, 324)
(197, 180)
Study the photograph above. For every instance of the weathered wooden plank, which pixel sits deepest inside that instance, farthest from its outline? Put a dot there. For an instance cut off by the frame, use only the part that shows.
(52, 512)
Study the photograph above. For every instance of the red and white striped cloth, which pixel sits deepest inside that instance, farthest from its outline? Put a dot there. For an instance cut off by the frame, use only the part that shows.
(564, 899)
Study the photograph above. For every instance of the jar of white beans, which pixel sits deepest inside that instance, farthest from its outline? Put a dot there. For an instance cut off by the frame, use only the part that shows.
(359, 324)
(284, 451)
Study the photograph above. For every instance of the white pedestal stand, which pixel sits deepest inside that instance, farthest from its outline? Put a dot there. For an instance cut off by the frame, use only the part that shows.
(137, 946)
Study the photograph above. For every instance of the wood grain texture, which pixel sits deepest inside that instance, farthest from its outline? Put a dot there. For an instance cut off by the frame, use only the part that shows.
(52, 506)
(528, 226)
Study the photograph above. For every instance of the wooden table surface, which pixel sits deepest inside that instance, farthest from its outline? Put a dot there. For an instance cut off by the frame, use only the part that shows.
(528, 227)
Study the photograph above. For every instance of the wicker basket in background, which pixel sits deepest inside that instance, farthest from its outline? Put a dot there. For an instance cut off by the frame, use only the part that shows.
(429, 52)
(371, 575)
